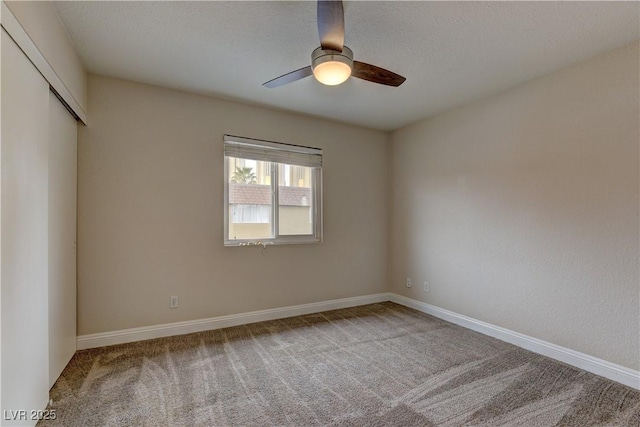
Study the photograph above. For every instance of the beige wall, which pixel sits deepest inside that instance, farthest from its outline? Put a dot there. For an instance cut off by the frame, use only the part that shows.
(150, 183)
(521, 209)
(40, 21)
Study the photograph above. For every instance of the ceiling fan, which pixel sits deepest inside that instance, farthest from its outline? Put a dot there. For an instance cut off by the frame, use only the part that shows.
(332, 63)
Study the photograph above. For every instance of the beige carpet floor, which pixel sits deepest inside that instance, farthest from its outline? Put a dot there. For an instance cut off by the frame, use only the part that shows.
(376, 365)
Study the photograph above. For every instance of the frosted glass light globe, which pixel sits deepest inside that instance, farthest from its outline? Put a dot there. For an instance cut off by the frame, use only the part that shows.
(331, 67)
(332, 73)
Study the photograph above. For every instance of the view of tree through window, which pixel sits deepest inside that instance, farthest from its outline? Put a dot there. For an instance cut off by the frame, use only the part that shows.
(243, 175)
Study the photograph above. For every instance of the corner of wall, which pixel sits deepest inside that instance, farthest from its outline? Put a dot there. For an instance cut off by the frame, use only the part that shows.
(38, 30)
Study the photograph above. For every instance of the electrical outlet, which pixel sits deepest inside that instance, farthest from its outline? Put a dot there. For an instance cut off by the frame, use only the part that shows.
(426, 286)
(174, 302)
(408, 282)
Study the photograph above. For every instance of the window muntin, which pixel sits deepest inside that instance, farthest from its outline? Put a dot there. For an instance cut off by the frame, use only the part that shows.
(272, 192)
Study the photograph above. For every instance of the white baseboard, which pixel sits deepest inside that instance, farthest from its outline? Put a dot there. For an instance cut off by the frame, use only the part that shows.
(591, 364)
(179, 328)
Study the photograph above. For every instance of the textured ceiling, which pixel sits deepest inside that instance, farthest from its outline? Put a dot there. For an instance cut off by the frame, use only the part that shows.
(450, 52)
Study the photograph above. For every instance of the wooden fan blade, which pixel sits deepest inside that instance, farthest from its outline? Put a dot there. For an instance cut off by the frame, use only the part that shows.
(289, 77)
(376, 74)
(331, 24)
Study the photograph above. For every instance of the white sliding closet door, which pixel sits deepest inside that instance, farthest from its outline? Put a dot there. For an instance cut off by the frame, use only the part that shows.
(62, 236)
(24, 236)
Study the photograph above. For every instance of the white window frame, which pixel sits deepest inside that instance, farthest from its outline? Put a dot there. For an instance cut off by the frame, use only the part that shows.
(288, 154)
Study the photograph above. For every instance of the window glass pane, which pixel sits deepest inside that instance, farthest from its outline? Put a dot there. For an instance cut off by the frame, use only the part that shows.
(295, 204)
(250, 214)
(250, 199)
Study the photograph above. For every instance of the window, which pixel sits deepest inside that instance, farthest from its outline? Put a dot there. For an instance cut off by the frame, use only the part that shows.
(273, 192)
